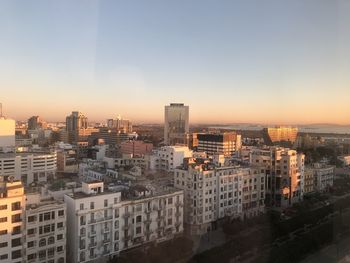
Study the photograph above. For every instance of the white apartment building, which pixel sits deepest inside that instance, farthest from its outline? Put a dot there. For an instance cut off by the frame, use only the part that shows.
(45, 230)
(323, 176)
(12, 200)
(212, 193)
(28, 167)
(167, 158)
(102, 224)
(284, 170)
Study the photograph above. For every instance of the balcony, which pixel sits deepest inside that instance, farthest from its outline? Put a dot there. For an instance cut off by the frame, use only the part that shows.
(93, 244)
(92, 221)
(106, 240)
(105, 230)
(148, 211)
(92, 233)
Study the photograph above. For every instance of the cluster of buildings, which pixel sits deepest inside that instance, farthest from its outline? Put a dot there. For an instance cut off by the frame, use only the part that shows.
(99, 191)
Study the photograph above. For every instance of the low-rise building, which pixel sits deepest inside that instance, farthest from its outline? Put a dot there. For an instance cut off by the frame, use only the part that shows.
(28, 167)
(167, 158)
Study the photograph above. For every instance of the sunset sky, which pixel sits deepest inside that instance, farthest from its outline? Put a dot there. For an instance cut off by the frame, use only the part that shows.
(272, 61)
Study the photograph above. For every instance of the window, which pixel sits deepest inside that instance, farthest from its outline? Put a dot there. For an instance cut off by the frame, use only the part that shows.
(138, 219)
(16, 218)
(170, 201)
(31, 231)
(3, 207)
(105, 203)
(4, 256)
(3, 232)
(50, 240)
(16, 230)
(82, 256)
(116, 213)
(16, 206)
(47, 216)
(92, 205)
(138, 230)
(81, 206)
(59, 249)
(30, 244)
(31, 219)
(51, 252)
(42, 242)
(16, 254)
(16, 242)
(42, 254)
(60, 225)
(59, 237)
(3, 244)
(3, 219)
(61, 213)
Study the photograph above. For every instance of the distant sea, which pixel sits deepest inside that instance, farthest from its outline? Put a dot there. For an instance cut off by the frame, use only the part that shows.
(316, 128)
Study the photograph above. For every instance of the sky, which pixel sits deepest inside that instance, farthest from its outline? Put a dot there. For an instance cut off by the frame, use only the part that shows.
(251, 61)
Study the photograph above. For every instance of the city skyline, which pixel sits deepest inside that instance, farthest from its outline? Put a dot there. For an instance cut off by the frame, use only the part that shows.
(233, 62)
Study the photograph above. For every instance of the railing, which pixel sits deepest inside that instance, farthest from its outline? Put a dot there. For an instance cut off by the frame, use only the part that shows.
(105, 230)
(92, 221)
(92, 233)
(94, 244)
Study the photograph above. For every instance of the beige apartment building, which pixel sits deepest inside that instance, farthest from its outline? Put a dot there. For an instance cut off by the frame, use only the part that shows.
(284, 170)
(12, 201)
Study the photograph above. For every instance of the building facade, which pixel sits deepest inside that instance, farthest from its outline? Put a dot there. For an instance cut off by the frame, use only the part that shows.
(167, 158)
(104, 223)
(7, 135)
(45, 230)
(212, 193)
(227, 143)
(136, 147)
(12, 201)
(280, 135)
(28, 167)
(284, 174)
